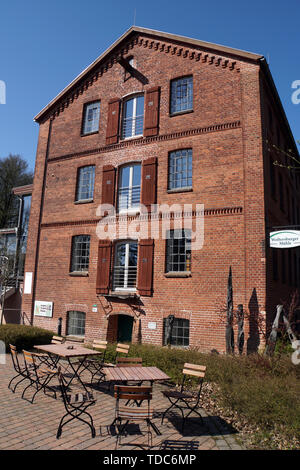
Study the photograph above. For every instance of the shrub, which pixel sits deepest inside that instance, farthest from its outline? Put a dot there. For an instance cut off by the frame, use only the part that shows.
(24, 336)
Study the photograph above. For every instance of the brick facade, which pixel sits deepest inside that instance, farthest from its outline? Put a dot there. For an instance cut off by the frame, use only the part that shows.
(226, 132)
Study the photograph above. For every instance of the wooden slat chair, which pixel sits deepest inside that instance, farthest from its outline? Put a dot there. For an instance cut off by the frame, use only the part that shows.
(38, 374)
(75, 406)
(95, 365)
(120, 349)
(57, 340)
(187, 401)
(19, 368)
(138, 413)
(130, 362)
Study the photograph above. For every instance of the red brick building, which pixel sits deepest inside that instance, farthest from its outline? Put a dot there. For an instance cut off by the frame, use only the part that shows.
(161, 119)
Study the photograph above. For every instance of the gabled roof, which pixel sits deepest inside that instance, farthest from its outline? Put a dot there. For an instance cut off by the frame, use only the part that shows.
(239, 54)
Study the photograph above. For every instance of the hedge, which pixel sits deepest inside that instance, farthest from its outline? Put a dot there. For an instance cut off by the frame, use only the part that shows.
(24, 336)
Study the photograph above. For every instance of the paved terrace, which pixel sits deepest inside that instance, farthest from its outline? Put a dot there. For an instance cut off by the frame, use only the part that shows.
(26, 426)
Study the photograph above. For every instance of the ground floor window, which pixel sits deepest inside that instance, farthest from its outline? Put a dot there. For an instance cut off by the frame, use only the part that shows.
(178, 250)
(76, 323)
(180, 332)
(125, 265)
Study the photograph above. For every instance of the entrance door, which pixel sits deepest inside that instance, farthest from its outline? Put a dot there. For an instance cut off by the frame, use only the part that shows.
(125, 323)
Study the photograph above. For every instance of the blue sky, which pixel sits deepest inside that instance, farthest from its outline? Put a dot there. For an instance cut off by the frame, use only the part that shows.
(45, 45)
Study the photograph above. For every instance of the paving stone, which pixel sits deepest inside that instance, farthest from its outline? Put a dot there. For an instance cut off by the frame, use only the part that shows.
(26, 426)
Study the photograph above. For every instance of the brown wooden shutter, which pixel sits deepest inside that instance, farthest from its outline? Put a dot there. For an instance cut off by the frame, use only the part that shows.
(103, 267)
(112, 131)
(145, 267)
(151, 112)
(148, 190)
(108, 184)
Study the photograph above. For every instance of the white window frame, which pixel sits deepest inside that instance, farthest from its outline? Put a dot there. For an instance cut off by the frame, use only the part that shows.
(127, 244)
(129, 209)
(96, 117)
(133, 118)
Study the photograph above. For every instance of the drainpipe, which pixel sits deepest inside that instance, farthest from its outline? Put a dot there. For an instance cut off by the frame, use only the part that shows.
(40, 222)
(18, 239)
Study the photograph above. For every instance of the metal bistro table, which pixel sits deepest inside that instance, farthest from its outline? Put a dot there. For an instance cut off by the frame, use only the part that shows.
(135, 374)
(68, 351)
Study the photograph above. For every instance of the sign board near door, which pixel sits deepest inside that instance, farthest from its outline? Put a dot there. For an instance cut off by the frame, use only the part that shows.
(285, 239)
(43, 309)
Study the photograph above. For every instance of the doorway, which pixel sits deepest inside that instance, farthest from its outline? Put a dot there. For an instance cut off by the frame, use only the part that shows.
(125, 324)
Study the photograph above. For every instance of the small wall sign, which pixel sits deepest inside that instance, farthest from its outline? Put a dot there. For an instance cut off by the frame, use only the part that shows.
(285, 239)
(27, 283)
(152, 325)
(43, 309)
(94, 308)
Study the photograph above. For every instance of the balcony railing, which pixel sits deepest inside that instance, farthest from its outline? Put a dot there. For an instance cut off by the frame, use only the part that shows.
(132, 126)
(124, 278)
(129, 198)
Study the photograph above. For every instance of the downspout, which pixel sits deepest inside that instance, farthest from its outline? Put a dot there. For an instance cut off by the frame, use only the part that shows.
(17, 253)
(39, 224)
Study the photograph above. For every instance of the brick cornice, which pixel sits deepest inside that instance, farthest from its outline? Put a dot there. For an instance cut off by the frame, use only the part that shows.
(215, 212)
(165, 47)
(149, 140)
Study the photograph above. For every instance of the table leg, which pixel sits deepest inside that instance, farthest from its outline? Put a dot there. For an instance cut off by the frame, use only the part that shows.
(76, 373)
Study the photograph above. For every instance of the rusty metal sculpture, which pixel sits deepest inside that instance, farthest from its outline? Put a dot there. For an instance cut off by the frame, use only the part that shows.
(229, 335)
(240, 322)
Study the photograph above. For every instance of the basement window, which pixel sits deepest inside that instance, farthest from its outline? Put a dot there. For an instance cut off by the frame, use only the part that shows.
(180, 332)
(76, 323)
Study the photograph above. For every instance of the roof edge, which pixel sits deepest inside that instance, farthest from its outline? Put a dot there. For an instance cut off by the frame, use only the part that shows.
(137, 29)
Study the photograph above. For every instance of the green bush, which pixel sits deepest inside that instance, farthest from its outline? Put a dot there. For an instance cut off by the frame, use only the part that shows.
(24, 336)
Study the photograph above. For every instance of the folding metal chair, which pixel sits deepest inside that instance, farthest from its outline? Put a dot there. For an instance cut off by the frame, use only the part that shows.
(38, 375)
(46, 358)
(20, 369)
(130, 362)
(95, 365)
(187, 401)
(128, 414)
(75, 406)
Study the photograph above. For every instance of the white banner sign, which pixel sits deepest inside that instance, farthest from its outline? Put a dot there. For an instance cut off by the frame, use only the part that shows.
(285, 239)
(27, 283)
(43, 309)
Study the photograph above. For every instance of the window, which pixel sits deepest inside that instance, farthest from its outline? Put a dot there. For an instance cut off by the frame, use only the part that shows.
(85, 183)
(133, 117)
(91, 118)
(76, 323)
(178, 253)
(129, 189)
(80, 253)
(180, 332)
(181, 95)
(180, 169)
(125, 266)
